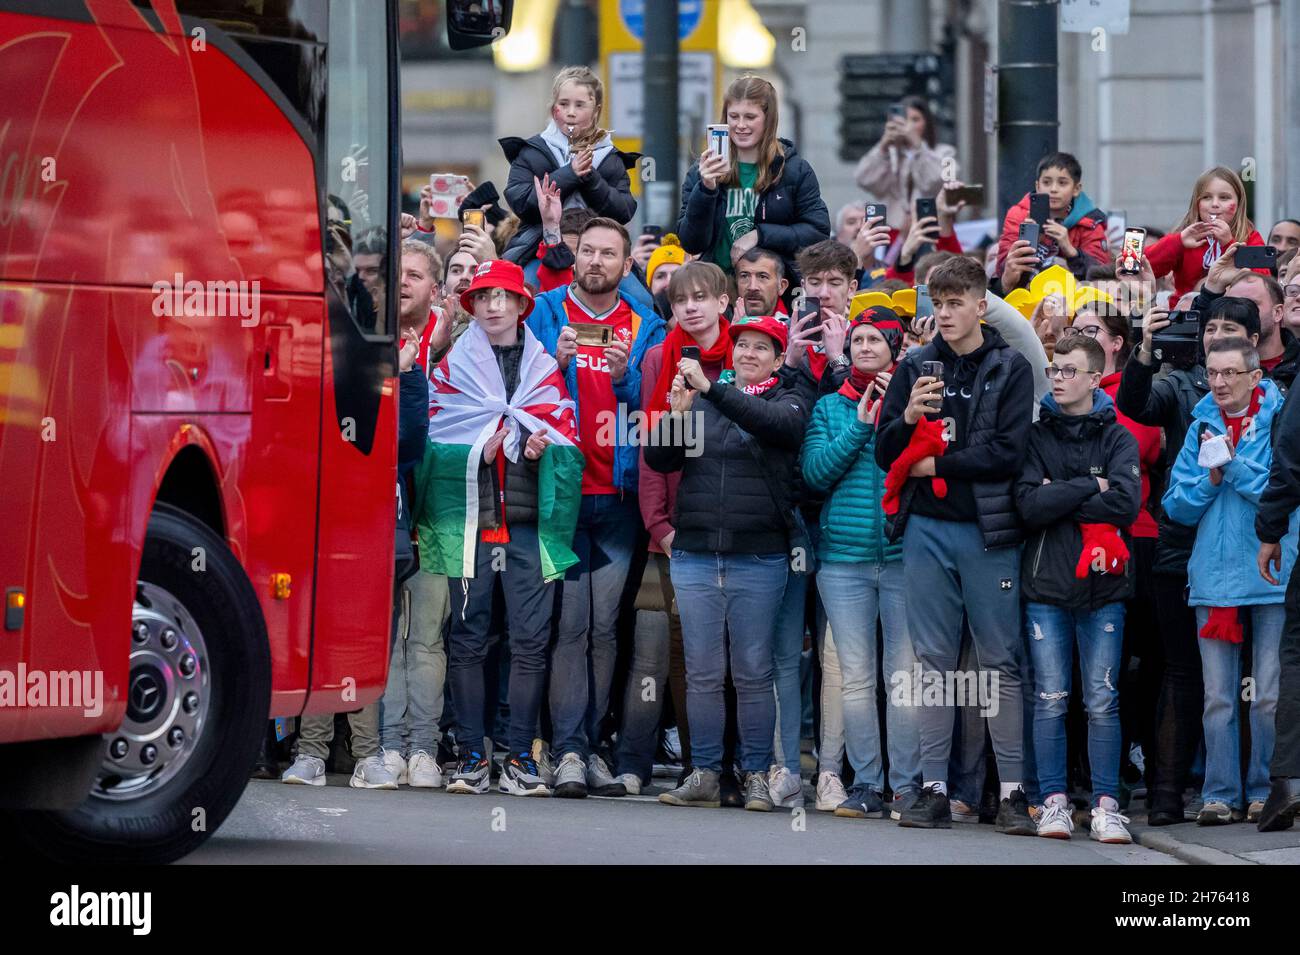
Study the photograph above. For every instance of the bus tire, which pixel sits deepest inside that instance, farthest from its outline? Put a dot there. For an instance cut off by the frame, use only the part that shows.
(172, 819)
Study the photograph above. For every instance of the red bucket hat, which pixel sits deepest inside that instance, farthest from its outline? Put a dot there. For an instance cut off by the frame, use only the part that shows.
(772, 327)
(498, 273)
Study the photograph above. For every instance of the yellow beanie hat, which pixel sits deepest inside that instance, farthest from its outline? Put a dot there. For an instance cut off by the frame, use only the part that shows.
(670, 250)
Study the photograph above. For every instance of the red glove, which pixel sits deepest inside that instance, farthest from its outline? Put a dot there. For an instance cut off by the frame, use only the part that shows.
(1101, 540)
(927, 441)
(1224, 624)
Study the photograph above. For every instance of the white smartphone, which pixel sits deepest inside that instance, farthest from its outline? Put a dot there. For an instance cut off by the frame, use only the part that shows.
(720, 140)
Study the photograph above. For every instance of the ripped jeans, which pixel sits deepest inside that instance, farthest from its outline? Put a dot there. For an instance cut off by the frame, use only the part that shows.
(1052, 635)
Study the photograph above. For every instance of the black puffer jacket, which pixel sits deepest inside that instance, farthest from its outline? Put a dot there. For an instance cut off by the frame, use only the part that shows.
(1071, 452)
(723, 502)
(1167, 404)
(521, 475)
(607, 191)
(789, 216)
(984, 459)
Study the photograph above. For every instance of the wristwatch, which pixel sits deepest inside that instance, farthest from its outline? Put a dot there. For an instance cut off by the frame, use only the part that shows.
(840, 361)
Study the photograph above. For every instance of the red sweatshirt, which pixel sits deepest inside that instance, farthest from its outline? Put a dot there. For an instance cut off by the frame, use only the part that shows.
(1188, 265)
(1148, 439)
(1087, 235)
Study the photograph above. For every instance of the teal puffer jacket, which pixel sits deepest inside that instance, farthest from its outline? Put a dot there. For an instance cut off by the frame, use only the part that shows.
(839, 461)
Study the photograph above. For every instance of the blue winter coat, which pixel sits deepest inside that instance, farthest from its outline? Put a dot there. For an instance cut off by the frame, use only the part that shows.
(1222, 570)
(839, 460)
(648, 329)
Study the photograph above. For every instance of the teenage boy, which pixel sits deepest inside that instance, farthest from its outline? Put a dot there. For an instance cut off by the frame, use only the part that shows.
(501, 442)
(957, 518)
(1075, 229)
(1081, 483)
(1215, 485)
(599, 337)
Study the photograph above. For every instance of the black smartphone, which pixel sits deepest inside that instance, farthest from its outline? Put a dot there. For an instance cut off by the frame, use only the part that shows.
(1029, 232)
(926, 208)
(655, 230)
(812, 305)
(1256, 257)
(691, 351)
(1040, 207)
(972, 194)
(875, 209)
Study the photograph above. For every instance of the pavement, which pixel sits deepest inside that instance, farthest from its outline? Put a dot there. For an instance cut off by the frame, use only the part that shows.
(1237, 844)
(275, 823)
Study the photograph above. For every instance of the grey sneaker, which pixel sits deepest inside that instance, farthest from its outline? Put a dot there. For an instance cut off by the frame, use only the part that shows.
(305, 771)
(371, 773)
(473, 775)
(631, 782)
(700, 788)
(600, 781)
(571, 777)
(1215, 813)
(757, 797)
(520, 776)
(541, 754)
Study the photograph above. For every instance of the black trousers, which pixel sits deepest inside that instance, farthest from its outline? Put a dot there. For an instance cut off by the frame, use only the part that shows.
(1179, 707)
(1286, 746)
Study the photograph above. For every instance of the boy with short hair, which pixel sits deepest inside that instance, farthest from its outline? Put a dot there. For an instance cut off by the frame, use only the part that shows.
(1081, 483)
(1075, 230)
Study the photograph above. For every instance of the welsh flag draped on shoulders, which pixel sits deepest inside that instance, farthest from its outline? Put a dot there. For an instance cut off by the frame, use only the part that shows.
(467, 405)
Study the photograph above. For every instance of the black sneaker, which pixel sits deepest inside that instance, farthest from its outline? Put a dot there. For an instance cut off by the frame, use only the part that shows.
(930, 811)
(520, 776)
(473, 775)
(863, 802)
(729, 791)
(1013, 816)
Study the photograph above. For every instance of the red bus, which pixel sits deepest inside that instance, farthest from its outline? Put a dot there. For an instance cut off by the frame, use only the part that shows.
(197, 400)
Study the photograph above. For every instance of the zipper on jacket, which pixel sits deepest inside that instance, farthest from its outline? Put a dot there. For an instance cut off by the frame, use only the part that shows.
(1038, 556)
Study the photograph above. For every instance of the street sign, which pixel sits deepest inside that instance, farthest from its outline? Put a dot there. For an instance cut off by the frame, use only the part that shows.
(870, 83)
(1084, 16)
(695, 86)
(688, 17)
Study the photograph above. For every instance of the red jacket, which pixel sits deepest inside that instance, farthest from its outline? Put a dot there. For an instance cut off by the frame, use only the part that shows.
(1188, 265)
(1085, 226)
(1148, 439)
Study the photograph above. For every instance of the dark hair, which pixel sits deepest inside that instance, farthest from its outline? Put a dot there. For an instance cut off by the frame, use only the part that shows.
(1274, 287)
(922, 106)
(1090, 347)
(693, 276)
(601, 222)
(928, 261)
(572, 221)
(758, 253)
(1238, 344)
(1099, 271)
(1064, 161)
(827, 256)
(1294, 222)
(959, 274)
(889, 286)
(374, 241)
(1234, 308)
(1114, 323)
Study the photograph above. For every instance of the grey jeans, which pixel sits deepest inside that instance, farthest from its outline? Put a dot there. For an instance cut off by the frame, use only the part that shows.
(315, 733)
(417, 670)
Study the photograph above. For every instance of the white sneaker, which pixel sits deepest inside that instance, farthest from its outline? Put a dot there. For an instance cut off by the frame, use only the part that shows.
(631, 782)
(395, 764)
(305, 771)
(1108, 826)
(1057, 819)
(423, 771)
(371, 773)
(830, 791)
(785, 788)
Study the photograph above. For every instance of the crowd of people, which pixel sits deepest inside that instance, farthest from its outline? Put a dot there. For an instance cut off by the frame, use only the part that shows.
(1033, 547)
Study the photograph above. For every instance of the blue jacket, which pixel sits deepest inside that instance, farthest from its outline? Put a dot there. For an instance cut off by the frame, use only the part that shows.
(648, 329)
(839, 459)
(1222, 570)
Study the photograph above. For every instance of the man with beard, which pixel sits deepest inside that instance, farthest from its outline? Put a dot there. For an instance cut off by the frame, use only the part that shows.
(599, 337)
(760, 284)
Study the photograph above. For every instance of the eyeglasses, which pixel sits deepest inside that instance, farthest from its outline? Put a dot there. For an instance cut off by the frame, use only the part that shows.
(1090, 331)
(1067, 373)
(1229, 375)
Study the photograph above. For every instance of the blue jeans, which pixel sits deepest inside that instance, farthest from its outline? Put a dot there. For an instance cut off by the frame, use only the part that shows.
(417, 670)
(787, 649)
(643, 698)
(586, 645)
(728, 604)
(1224, 693)
(855, 595)
(1052, 635)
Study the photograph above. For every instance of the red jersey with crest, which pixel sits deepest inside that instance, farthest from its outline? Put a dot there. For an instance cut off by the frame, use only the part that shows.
(597, 406)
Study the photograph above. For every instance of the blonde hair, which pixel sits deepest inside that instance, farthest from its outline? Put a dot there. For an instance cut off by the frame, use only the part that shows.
(760, 91)
(583, 76)
(1240, 225)
(427, 252)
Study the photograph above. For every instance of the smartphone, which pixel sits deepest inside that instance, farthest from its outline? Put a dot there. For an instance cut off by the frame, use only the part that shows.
(1040, 207)
(897, 111)
(720, 140)
(812, 305)
(691, 351)
(593, 335)
(875, 209)
(926, 207)
(1130, 256)
(932, 369)
(448, 190)
(657, 231)
(1256, 257)
(1029, 232)
(972, 194)
(473, 217)
(924, 305)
